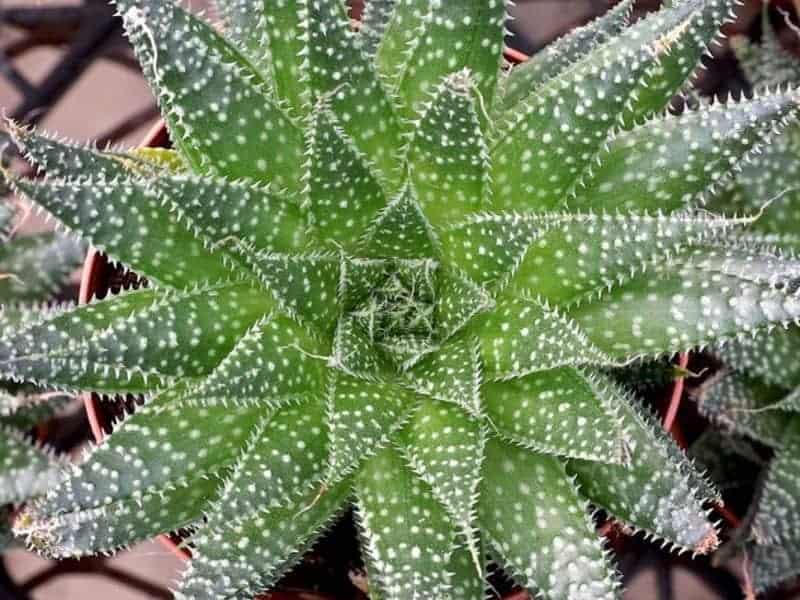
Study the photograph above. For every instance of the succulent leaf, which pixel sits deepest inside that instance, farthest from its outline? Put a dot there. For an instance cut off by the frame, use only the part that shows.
(549, 541)
(659, 493)
(265, 546)
(565, 411)
(342, 75)
(695, 152)
(174, 48)
(555, 58)
(473, 28)
(407, 549)
(776, 519)
(25, 468)
(451, 169)
(37, 267)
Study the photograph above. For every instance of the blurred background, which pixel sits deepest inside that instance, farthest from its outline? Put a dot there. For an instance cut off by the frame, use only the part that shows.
(66, 67)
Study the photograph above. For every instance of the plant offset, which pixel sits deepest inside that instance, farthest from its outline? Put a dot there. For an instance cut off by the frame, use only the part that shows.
(384, 273)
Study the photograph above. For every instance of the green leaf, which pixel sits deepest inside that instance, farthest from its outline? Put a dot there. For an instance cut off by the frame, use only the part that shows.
(60, 159)
(342, 74)
(35, 346)
(25, 469)
(248, 555)
(771, 176)
(306, 286)
(129, 220)
(191, 68)
(117, 345)
(453, 35)
(685, 48)
(712, 294)
(524, 80)
(571, 116)
(343, 194)
(489, 247)
(533, 517)
(776, 518)
(444, 447)
(740, 404)
(774, 564)
(404, 25)
(284, 457)
(375, 22)
(458, 300)
(577, 256)
(362, 416)
(767, 63)
(115, 526)
(400, 231)
(448, 156)
(37, 267)
(241, 212)
(451, 374)
(406, 548)
(769, 354)
(524, 336)
(355, 353)
(567, 412)
(675, 161)
(659, 492)
(275, 361)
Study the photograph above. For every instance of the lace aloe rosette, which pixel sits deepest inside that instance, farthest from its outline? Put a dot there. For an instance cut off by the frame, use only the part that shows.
(756, 395)
(386, 274)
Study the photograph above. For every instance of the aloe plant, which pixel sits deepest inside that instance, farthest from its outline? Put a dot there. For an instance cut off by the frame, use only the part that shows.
(33, 269)
(756, 393)
(386, 272)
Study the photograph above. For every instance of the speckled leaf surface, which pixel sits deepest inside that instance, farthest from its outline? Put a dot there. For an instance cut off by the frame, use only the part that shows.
(371, 282)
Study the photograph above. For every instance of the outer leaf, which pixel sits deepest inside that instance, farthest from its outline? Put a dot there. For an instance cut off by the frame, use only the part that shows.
(344, 196)
(740, 404)
(247, 556)
(114, 526)
(524, 80)
(25, 469)
(534, 518)
(659, 493)
(343, 75)
(525, 336)
(474, 29)
(777, 517)
(444, 446)
(190, 68)
(408, 546)
(713, 294)
(37, 267)
(129, 221)
(686, 47)
(773, 564)
(571, 116)
(448, 156)
(143, 334)
(691, 154)
(284, 458)
(565, 411)
(577, 254)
